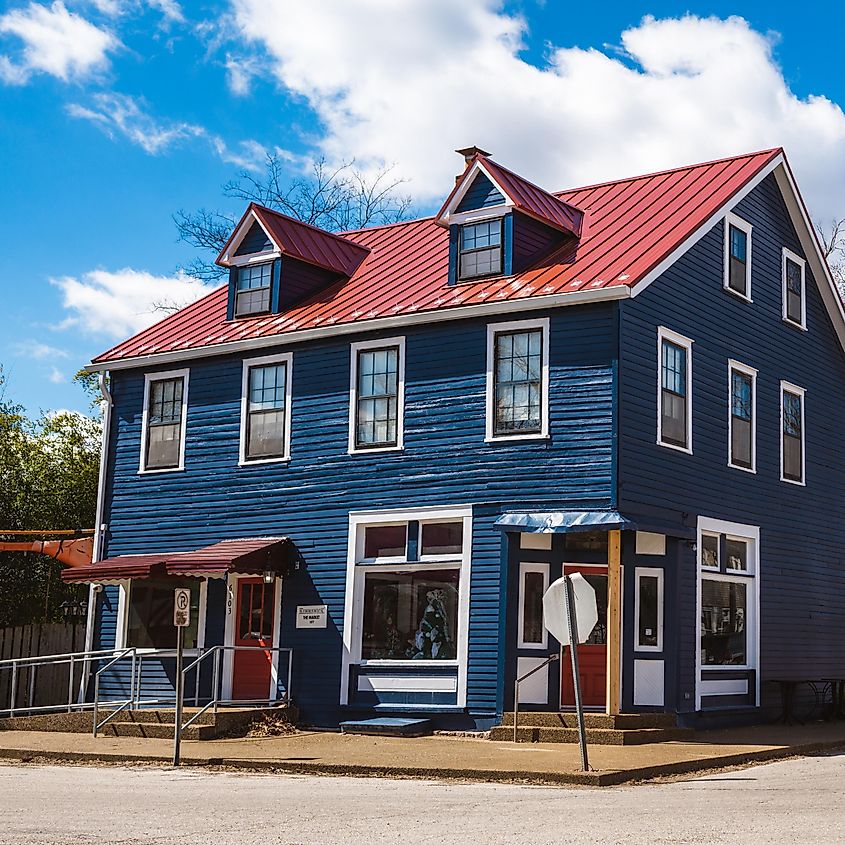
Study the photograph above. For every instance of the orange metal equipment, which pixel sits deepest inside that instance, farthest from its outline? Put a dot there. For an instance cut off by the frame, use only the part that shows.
(70, 552)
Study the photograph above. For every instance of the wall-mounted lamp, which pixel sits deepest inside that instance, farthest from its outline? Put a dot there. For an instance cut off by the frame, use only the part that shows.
(269, 576)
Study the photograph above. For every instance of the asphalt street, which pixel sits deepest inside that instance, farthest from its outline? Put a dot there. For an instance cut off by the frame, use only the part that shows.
(799, 802)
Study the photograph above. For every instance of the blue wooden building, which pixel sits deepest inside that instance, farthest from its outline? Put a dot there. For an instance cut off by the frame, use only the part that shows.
(376, 449)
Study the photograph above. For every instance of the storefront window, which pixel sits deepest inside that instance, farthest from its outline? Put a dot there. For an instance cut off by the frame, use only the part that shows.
(385, 540)
(150, 613)
(442, 538)
(410, 615)
(723, 623)
(533, 587)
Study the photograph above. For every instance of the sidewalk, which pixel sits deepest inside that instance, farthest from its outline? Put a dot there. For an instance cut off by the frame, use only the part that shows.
(439, 757)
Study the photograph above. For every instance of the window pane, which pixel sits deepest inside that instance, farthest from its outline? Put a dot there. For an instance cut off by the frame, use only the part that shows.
(163, 446)
(532, 607)
(480, 249)
(792, 447)
(794, 288)
(410, 615)
(385, 540)
(674, 368)
(647, 622)
(252, 302)
(267, 387)
(442, 538)
(518, 382)
(738, 260)
(741, 419)
(265, 434)
(150, 614)
(736, 552)
(165, 401)
(377, 397)
(254, 277)
(723, 623)
(710, 551)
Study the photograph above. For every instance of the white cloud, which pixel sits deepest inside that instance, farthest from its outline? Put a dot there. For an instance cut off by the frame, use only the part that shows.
(39, 351)
(56, 42)
(56, 376)
(121, 303)
(171, 10)
(407, 82)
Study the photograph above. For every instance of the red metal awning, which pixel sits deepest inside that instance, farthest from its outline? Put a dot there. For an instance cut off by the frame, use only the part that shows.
(250, 555)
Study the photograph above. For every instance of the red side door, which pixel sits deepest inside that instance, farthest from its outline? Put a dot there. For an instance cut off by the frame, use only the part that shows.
(256, 614)
(592, 655)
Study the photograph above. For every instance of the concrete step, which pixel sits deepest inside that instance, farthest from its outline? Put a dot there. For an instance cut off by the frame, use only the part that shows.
(595, 736)
(622, 721)
(158, 730)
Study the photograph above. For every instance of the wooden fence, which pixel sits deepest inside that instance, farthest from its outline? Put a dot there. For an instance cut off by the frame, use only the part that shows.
(46, 684)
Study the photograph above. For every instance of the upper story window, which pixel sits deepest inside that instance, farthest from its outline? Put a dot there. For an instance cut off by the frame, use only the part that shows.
(377, 392)
(792, 433)
(674, 417)
(252, 291)
(163, 423)
(794, 292)
(265, 409)
(518, 379)
(480, 251)
(738, 256)
(742, 433)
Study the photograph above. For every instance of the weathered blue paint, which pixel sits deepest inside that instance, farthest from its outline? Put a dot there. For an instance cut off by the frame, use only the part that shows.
(454, 248)
(299, 281)
(309, 498)
(482, 193)
(230, 302)
(507, 245)
(254, 241)
(533, 241)
(802, 579)
(276, 286)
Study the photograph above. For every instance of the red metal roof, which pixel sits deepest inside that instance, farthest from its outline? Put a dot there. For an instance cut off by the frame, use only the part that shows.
(629, 227)
(303, 241)
(248, 555)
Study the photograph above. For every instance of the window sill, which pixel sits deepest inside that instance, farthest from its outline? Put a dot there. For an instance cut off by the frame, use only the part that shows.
(376, 450)
(794, 483)
(510, 438)
(749, 470)
(160, 471)
(744, 297)
(685, 449)
(409, 664)
(792, 324)
(533, 646)
(259, 461)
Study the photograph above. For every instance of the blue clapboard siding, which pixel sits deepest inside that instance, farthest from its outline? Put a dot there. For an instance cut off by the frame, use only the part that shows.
(532, 241)
(299, 281)
(802, 533)
(445, 461)
(255, 240)
(482, 193)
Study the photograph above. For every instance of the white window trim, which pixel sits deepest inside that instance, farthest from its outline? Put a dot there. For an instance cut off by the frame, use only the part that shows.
(664, 334)
(517, 326)
(286, 359)
(752, 374)
(788, 253)
(788, 387)
(751, 533)
(354, 596)
(122, 621)
(148, 379)
(354, 349)
(524, 569)
(745, 226)
(648, 572)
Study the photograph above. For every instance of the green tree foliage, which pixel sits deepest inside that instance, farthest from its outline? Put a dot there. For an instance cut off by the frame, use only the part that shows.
(48, 481)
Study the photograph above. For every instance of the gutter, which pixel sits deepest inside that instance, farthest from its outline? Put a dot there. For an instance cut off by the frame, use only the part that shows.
(521, 305)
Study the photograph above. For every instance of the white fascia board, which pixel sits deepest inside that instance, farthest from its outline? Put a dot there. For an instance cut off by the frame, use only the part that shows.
(468, 179)
(510, 306)
(240, 234)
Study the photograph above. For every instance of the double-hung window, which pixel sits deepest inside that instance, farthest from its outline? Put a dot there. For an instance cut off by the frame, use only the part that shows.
(518, 379)
(252, 289)
(480, 250)
(742, 400)
(163, 423)
(674, 417)
(377, 392)
(265, 409)
(792, 458)
(738, 256)
(794, 293)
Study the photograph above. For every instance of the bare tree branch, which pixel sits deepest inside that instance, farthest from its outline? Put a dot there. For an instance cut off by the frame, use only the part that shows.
(832, 237)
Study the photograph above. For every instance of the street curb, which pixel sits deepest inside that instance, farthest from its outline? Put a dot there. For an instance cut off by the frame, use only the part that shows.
(606, 778)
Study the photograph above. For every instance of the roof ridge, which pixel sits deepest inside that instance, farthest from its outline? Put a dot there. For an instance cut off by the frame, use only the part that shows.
(666, 171)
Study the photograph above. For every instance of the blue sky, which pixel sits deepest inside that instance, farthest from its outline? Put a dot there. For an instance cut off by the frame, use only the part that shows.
(116, 113)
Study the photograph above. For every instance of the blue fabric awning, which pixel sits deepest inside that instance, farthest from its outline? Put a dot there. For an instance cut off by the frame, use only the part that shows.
(559, 522)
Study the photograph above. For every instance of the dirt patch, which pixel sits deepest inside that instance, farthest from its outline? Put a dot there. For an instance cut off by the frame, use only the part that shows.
(270, 725)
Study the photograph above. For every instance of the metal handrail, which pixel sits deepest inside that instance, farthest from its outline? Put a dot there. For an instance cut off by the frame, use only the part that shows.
(123, 653)
(516, 690)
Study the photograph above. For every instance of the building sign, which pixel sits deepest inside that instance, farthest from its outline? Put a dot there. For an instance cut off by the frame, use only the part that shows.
(181, 607)
(311, 616)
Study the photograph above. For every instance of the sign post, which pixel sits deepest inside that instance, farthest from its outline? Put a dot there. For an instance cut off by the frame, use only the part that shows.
(570, 613)
(181, 620)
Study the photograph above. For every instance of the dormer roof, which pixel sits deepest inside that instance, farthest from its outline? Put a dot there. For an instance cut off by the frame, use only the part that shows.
(518, 193)
(296, 239)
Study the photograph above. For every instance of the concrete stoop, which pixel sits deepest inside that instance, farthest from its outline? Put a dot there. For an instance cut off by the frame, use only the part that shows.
(154, 724)
(601, 729)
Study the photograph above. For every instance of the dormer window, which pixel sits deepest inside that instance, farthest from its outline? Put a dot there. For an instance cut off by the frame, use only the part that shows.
(481, 249)
(252, 295)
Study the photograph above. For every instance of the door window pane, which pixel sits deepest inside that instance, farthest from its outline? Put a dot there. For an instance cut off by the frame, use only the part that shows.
(256, 612)
(442, 538)
(723, 623)
(673, 394)
(533, 584)
(518, 375)
(647, 623)
(410, 615)
(385, 540)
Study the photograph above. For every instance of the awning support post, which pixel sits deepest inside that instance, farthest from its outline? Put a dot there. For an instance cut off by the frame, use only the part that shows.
(614, 621)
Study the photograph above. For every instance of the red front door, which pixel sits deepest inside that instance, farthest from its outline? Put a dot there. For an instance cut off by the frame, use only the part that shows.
(254, 629)
(592, 655)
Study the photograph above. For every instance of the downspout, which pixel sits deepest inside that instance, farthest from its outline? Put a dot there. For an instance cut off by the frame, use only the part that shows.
(99, 528)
